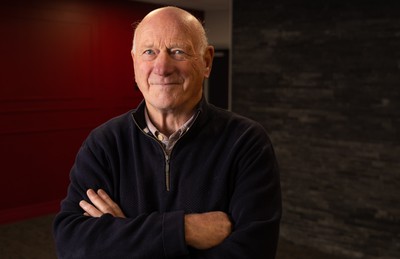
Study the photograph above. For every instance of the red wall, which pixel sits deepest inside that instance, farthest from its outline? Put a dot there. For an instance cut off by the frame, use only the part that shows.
(65, 68)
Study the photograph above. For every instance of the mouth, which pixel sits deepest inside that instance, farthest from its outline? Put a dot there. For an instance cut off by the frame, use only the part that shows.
(165, 83)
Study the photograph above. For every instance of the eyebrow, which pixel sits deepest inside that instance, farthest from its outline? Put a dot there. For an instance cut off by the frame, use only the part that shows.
(169, 45)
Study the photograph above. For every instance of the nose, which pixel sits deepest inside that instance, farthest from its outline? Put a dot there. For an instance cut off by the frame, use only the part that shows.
(163, 64)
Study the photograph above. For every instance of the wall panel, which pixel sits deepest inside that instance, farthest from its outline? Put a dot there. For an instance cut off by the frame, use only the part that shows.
(65, 68)
(322, 77)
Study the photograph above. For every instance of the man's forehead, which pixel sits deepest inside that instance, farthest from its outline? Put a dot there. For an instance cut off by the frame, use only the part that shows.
(161, 28)
(151, 37)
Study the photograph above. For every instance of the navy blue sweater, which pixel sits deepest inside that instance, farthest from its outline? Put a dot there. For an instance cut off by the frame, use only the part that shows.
(224, 162)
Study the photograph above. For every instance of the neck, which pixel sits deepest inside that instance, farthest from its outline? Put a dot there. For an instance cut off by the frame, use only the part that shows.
(168, 122)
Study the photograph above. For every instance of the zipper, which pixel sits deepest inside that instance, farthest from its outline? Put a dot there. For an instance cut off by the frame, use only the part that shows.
(166, 156)
(166, 159)
(167, 170)
(167, 173)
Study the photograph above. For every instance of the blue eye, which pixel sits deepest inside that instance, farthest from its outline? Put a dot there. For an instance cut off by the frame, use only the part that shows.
(149, 52)
(178, 54)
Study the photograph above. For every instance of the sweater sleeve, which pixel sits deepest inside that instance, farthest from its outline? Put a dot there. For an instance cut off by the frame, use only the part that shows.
(148, 235)
(255, 206)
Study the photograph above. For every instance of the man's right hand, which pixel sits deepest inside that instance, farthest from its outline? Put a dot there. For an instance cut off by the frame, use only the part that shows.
(206, 230)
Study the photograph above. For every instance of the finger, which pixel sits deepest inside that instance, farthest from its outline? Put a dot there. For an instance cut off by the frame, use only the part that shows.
(116, 210)
(89, 209)
(104, 196)
(98, 202)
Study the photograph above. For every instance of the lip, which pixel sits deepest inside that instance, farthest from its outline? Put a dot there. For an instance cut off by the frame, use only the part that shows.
(164, 83)
(170, 80)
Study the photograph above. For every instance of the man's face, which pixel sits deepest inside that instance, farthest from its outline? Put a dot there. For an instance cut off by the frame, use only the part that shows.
(169, 69)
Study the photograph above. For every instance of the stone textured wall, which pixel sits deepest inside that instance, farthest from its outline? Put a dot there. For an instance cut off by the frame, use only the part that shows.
(323, 78)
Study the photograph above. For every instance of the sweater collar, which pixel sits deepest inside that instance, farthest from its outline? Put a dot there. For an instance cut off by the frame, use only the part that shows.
(138, 114)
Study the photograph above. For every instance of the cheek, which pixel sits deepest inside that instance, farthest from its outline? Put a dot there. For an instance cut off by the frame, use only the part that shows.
(141, 73)
(196, 70)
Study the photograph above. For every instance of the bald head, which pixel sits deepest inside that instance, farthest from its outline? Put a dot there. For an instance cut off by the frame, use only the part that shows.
(173, 17)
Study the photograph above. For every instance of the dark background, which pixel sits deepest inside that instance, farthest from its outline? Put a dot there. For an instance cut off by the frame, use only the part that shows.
(323, 78)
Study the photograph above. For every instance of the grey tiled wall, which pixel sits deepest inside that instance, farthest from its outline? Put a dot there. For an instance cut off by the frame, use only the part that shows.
(323, 78)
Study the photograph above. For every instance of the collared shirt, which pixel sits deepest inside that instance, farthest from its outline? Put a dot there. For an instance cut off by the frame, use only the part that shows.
(167, 142)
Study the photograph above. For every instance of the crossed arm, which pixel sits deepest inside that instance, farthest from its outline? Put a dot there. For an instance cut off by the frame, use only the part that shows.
(202, 230)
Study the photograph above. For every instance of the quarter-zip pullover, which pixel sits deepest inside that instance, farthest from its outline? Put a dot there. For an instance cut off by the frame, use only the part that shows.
(223, 162)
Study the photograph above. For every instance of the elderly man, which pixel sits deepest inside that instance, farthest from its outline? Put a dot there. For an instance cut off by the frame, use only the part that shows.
(176, 177)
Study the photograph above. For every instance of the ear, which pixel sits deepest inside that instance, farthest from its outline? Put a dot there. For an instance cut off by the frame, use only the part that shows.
(208, 60)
